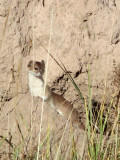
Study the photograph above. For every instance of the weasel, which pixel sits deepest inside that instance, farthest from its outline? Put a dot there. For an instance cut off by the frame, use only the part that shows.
(36, 84)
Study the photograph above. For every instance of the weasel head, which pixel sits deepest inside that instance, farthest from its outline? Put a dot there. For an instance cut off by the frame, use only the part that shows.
(36, 68)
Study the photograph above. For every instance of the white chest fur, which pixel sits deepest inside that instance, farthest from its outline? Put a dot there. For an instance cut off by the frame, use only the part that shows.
(36, 86)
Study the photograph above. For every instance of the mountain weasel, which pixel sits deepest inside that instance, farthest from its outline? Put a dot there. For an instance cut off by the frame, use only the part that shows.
(61, 105)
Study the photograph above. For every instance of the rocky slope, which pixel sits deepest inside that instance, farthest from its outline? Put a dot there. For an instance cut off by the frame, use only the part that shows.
(76, 33)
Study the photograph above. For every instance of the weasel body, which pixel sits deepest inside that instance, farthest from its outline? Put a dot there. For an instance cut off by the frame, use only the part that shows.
(37, 85)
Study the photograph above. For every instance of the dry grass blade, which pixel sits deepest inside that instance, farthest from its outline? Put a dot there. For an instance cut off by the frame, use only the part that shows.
(9, 142)
(19, 129)
(72, 80)
(49, 46)
(51, 55)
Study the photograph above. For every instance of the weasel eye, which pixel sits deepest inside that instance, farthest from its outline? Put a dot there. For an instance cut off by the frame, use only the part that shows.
(36, 69)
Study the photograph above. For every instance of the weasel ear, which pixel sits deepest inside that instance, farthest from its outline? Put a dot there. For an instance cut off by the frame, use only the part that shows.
(29, 64)
(43, 66)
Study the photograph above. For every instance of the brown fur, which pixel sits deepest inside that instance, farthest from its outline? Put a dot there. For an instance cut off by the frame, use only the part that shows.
(66, 108)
